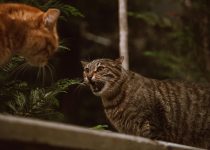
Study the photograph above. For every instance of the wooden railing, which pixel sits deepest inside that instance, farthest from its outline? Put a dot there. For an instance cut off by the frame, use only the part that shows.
(31, 132)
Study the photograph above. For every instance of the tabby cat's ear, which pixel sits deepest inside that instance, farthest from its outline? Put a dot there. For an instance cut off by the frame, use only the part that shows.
(119, 60)
(50, 17)
(84, 63)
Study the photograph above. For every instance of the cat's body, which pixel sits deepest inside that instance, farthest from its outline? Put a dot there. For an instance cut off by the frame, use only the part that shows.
(29, 32)
(165, 110)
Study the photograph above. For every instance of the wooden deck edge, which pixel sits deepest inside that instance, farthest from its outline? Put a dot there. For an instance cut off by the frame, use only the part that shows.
(69, 136)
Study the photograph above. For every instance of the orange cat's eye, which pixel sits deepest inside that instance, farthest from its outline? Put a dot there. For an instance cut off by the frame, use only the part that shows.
(100, 68)
(86, 70)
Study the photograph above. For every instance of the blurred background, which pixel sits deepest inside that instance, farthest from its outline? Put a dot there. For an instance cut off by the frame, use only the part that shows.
(167, 39)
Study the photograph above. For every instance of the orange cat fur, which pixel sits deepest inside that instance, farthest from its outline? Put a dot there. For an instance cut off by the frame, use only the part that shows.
(29, 32)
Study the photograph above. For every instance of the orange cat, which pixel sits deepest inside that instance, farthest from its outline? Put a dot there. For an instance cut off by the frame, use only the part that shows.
(29, 32)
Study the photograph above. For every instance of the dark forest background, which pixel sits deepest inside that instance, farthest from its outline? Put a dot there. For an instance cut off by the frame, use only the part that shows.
(167, 39)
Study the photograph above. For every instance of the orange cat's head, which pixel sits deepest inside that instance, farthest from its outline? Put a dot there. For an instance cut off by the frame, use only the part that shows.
(34, 34)
(41, 39)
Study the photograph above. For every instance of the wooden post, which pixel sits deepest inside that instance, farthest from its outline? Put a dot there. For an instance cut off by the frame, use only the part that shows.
(123, 32)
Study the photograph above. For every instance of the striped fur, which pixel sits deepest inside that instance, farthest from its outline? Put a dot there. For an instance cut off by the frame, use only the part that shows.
(29, 32)
(164, 110)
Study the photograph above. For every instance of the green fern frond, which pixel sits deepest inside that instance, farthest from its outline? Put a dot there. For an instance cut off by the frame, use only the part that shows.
(14, 62)
(66, 9)
(65, 83)
(153, 19)
(62, 45)
(100, 127)
(24, 100)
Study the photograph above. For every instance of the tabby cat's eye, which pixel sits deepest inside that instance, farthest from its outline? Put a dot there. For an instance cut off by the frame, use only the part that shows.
(86, 70)
(100, 68)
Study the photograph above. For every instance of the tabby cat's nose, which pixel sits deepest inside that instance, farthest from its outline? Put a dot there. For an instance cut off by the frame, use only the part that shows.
(89, 77)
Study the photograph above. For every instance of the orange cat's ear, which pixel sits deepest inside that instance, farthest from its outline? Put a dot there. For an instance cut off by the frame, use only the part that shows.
(51, 17)
(119, 60)
(84, 63)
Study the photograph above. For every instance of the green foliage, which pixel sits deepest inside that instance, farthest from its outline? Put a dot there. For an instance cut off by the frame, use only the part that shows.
(152, 19)
(178, 66)
(100, 127)
(19, 98)
(176, 41)
(66, 9)
(22, 99)
(64, 84)
(62, 46)
(6, 70)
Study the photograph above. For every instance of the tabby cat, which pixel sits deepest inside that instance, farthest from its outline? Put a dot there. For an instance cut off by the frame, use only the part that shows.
(29, 32)
(166, 110)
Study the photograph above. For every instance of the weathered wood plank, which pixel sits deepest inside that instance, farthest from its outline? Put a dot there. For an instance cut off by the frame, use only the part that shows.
(68, 136)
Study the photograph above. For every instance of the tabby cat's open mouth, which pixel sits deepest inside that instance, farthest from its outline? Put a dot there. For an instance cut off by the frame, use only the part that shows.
(97, 86)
